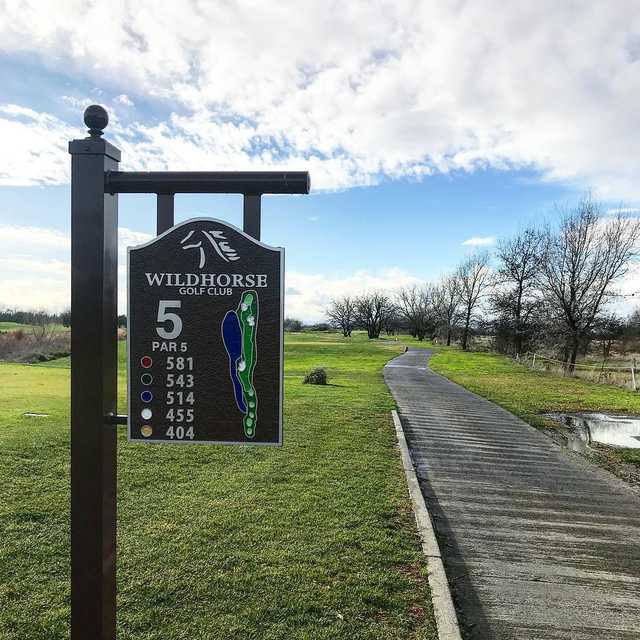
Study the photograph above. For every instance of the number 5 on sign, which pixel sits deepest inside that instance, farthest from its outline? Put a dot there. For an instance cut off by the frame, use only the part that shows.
(165, 316)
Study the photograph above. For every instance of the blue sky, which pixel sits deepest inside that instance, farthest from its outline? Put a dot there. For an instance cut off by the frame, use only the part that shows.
(426, 137)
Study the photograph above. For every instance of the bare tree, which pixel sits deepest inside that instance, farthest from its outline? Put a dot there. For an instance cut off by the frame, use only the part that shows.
(474, 280)
(608, 329)
(517, 298)
(371, 312)
(341, 313)
(446, 302)
(392, 322)
(41, 326)
(65, 317)
(582, 260)
(415, 306)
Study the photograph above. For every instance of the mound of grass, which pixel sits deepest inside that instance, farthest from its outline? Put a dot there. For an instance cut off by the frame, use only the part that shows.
(314, 540)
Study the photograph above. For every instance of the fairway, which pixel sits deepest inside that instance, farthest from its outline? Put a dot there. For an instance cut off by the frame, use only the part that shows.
(314, 540)
(6, 327)
(13, 326)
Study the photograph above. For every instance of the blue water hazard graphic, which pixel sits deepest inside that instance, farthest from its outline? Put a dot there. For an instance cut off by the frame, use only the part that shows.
(232, 337)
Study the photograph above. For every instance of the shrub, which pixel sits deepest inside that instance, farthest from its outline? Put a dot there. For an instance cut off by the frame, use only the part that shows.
(321, 326)
(293, 324)
(317, 376)
(23, 347)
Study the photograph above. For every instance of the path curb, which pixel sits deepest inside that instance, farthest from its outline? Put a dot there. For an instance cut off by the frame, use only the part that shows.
(443, 609)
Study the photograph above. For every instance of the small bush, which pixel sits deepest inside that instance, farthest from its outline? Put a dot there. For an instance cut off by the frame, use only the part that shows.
(317, 376)
(293, 324)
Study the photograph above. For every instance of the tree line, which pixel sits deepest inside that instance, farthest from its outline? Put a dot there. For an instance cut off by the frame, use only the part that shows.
(545, 287)
(41, 317)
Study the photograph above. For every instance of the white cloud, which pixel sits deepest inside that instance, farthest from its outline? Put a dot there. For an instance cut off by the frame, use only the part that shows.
(478, 241)
(124, 99)
(130, 238)
(308, 295)
(12, 236)
(77, 103)
(623, 211)
(396, 89)
(35, 263)
(36, 268)
(54, 268)
(36, 145)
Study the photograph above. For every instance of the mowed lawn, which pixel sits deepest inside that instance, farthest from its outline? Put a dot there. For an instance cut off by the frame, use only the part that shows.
(15, 326)
(528, 394)
(314, 540)
(12, 326)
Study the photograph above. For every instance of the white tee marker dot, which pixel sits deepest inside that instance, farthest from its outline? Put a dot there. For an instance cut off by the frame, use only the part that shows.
(146, 414)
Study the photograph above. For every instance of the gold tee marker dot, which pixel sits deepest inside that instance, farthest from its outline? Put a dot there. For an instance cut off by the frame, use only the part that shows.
(146, 431)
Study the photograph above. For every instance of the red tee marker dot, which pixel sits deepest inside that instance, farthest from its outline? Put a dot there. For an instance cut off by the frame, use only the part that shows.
(146, 361)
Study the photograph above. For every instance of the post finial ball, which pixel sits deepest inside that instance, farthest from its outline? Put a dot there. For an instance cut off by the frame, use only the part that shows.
(96, 118)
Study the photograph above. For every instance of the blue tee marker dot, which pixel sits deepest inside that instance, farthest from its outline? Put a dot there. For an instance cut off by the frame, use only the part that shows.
(146, 396)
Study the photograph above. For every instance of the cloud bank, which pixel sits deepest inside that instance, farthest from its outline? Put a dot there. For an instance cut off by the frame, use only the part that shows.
(35, 263)
(356, 92)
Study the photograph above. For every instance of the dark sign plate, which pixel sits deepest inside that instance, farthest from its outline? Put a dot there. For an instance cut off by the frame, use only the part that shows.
(204, 338)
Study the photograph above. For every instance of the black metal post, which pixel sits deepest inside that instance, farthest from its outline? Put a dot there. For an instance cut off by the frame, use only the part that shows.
(165, 212)
(94, 246)
(251, 216)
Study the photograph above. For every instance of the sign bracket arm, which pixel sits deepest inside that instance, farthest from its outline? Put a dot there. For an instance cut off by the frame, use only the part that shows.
(251, 217)
(165, 212)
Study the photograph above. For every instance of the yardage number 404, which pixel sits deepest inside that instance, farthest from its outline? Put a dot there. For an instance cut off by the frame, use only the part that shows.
(180, 433)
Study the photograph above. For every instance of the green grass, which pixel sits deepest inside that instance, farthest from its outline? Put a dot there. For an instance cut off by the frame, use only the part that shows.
(15, 326)
(315, 540)
(528, 394)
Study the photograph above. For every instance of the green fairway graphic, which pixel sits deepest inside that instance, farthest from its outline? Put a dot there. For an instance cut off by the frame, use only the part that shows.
(239, 329)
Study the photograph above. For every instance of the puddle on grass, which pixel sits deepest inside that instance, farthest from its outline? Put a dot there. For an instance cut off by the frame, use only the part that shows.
(29, 414)
(585, 428)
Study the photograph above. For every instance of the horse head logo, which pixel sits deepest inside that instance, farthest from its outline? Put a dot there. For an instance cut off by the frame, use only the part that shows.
(215, 239)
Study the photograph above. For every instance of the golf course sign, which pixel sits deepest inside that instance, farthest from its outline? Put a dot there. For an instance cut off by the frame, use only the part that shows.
(205, 337)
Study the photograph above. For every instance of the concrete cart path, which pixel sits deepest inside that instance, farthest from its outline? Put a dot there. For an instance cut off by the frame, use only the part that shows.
(537, 543)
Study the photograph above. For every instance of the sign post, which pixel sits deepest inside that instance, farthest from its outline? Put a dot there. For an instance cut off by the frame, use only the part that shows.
(94, 263)
(244, 323)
